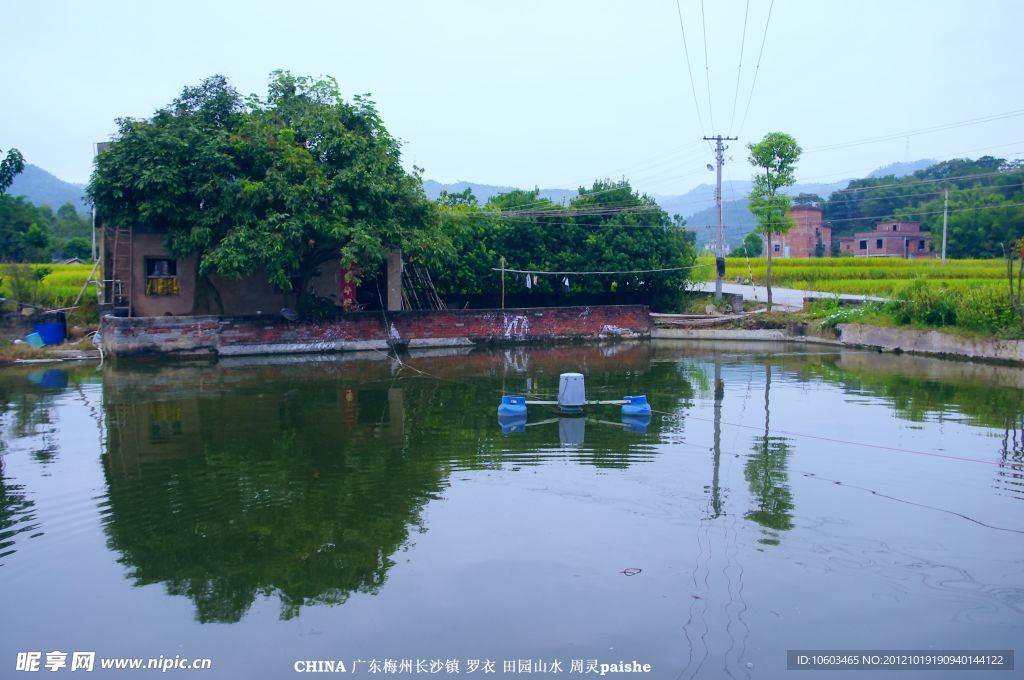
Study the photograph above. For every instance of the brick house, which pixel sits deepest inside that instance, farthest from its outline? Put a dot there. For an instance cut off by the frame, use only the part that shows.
(141, 278)
(889, 239)
(804, 238)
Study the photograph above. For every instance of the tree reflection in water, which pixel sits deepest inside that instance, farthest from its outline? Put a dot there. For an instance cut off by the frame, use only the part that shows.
(768, 478)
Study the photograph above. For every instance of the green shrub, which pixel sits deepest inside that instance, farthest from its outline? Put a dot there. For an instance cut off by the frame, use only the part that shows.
(924, 305)
(986, 309)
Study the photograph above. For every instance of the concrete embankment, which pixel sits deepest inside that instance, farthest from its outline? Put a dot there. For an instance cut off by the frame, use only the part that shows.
(934, 343)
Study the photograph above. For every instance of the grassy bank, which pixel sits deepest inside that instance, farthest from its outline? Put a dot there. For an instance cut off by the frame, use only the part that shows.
(964, 295)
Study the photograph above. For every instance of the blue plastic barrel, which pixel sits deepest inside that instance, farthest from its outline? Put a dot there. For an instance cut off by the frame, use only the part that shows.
(512, 405)
(51, 333)
(636, 405)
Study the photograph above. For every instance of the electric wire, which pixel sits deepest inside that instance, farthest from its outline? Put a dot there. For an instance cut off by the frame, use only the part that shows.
(689, 70)
(835, 440)
(739, 68)
(707, 64)
(922, 131)
(629, 271)
(757, 68)
(834, 221)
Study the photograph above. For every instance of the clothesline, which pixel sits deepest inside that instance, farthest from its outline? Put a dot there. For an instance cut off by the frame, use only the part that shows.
(632, 271)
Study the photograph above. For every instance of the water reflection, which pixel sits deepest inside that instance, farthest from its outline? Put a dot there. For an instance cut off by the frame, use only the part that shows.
(16, 514)
(302, 481)
(767, 474)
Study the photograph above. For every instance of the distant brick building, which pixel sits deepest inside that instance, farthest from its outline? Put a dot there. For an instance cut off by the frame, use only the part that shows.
(889, 239)
(804, 238)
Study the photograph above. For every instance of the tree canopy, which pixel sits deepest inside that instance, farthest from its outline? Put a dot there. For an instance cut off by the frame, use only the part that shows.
(280, 184)
(607, 227)
(775, 158)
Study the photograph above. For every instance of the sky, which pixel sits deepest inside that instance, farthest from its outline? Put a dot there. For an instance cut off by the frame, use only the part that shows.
(548, 94)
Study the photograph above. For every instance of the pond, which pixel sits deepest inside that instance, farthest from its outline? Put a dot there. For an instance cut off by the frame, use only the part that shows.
(274, 514)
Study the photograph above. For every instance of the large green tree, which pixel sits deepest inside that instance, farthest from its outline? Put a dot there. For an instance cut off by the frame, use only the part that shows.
(775, 158)
(280, 185)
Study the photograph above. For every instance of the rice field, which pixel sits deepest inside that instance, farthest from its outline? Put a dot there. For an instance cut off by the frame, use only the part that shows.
(57, 289)
(862, 275)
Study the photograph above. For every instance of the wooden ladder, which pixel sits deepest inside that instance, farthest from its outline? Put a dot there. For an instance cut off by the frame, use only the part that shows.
(120, 278)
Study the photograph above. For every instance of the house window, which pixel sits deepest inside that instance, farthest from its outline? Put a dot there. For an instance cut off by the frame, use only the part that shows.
(895, 227)
(778, 248)
(878, 243)
(920, 244)
(864, 244)
(161, 276)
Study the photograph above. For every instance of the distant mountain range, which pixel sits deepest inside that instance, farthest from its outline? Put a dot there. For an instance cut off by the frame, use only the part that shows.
(42, 188)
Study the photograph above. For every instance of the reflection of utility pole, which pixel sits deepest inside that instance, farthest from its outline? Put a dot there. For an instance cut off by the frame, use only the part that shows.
(716, 496)
(720, 242)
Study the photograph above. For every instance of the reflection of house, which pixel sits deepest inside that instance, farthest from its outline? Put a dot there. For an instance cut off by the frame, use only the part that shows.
(889, 239)
(809, 237)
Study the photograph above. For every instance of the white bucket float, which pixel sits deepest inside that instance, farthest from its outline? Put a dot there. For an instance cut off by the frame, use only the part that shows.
(572, 397)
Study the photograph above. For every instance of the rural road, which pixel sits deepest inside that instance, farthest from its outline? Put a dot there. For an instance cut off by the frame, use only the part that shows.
(781, 297)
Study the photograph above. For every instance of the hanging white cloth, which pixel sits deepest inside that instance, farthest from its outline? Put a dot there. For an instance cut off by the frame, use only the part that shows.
(529, 282)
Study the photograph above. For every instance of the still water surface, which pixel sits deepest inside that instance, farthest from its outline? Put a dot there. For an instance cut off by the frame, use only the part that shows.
(264, 511)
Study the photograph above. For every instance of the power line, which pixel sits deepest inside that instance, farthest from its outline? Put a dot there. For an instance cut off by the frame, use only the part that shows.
(757, 69)
(616, 208)
(629, 271)
(739, 68)
(926, 213)
(689, 70)
(921, 131)
(707, 65)
(512, 221)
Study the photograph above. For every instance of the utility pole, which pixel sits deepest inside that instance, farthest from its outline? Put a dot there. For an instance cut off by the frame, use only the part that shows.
(945, 225)
(720, 243)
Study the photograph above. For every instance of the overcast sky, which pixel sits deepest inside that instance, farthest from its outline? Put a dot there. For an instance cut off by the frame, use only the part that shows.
(553, 93)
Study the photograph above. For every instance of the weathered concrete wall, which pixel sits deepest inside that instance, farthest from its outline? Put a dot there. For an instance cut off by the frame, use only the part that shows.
(367, 330)
(932, 342)
(855, 335)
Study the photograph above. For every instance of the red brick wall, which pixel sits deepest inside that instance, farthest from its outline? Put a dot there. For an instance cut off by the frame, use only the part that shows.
(802, 239)
(367, 330)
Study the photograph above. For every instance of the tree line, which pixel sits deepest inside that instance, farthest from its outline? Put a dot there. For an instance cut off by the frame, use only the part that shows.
(986, 204)
(35, 233)
(608, 227)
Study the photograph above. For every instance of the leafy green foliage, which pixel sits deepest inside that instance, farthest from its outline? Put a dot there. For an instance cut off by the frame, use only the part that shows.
(10, 166)
(30, 233)
(278, 185)
(984, 309)
(775, 157)
(753, 246)
(986, 202)
(608, 227)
